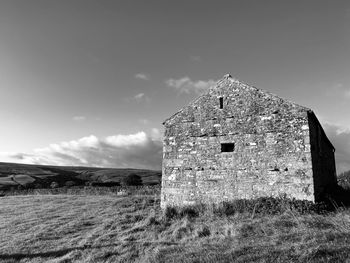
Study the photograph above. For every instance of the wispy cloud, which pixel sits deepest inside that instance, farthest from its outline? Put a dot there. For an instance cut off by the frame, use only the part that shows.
(156, 134)
(79, 118)
(138, 150)
(143, 76)
(140, 97)
(186, 85)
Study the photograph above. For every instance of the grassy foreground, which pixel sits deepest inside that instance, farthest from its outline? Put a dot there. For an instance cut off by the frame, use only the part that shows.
(93, 228)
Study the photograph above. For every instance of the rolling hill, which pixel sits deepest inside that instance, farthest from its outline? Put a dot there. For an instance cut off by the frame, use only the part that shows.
(14, 175)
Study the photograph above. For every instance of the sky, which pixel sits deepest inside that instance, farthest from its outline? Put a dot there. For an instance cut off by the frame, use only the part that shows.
(90, 82)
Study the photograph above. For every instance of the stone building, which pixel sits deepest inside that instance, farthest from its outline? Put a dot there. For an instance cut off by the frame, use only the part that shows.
(237, 141)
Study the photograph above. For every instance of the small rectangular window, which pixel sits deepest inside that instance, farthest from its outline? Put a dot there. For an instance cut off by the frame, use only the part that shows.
(221, 102)
(227, 147)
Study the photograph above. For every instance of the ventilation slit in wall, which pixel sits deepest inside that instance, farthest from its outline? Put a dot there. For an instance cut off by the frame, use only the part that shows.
(221, 99)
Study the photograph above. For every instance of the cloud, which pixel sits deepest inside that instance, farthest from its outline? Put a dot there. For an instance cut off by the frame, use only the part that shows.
(142, 76)
(340, 138)
(186, 85)
(140, 97)
(156, 134)
(137, 150)
(196, 58)
(79, 118)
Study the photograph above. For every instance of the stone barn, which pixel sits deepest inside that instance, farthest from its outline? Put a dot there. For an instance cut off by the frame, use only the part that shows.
(240, 142)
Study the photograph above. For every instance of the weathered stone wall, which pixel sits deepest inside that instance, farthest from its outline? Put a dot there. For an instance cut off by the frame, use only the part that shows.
(272, 154)
(323, 161)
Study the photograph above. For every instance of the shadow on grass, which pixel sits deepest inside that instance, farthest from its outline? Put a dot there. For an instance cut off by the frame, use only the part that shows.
(340, 197)
(62, 252)
(257, 253)
(56, 253)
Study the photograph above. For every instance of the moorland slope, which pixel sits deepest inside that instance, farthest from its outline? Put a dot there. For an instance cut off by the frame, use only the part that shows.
(13, 175)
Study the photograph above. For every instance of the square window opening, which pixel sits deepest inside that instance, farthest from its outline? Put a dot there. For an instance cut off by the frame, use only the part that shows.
(227, 147)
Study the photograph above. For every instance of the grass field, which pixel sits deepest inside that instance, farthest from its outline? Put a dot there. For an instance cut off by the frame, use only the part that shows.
(111, 228)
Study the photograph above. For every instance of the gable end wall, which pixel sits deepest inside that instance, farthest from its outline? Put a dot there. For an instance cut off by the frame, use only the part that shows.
(272, 153)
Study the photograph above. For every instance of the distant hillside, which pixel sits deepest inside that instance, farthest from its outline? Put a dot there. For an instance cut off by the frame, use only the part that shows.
(344, 179)
(13, 175)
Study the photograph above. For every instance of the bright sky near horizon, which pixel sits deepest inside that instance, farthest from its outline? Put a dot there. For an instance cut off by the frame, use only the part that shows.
(89, 82)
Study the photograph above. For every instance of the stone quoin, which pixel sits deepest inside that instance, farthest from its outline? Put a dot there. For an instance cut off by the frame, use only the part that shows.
(239, 142)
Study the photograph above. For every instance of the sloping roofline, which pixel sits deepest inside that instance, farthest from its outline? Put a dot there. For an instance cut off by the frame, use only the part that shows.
(229, 77)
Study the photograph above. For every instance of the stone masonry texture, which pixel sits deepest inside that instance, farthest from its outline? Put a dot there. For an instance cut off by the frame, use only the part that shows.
(240, 142)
